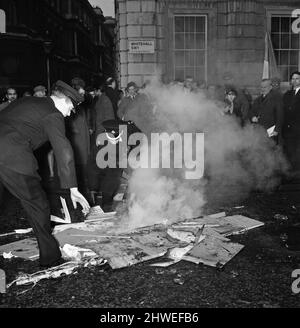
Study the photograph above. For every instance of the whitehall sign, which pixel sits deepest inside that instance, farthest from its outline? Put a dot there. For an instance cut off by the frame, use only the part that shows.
(141, 47)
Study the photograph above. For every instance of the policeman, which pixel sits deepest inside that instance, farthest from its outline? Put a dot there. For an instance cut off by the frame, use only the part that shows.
(25, 125)
(106, 180)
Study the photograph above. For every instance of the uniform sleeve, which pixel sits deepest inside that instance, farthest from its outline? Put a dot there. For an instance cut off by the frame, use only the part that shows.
(54, 126)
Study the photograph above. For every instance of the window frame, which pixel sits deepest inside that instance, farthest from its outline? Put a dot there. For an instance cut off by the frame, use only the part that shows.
(205, 15)
(280, 12)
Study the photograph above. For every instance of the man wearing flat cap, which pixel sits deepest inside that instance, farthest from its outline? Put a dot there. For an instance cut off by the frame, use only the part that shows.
(25, 125)
(39, 91)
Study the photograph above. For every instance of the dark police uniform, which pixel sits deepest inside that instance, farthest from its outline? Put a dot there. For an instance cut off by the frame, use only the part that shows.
(25, 125)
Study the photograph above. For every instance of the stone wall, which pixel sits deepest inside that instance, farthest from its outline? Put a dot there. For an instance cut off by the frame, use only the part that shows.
(236, 31)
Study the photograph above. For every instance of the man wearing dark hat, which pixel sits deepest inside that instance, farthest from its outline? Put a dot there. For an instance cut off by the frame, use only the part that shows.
(25, 125)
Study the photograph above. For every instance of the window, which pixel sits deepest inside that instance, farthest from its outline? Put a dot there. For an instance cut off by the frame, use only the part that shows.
(286, 45)
(190, 47)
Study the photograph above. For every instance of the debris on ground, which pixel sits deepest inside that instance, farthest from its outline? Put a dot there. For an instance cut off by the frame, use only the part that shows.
(75, 253)
(17, 231)
(56, 272)
(159, 271)
(2, 282)
(234, 274)
(179, 280)
(280, 217)
(290, 238)
(8, 255)
(200, 240)
(101, 234)
(26, 249)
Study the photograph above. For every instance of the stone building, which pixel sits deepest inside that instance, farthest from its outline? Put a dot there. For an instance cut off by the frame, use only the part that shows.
(213, 41)
(69, 35)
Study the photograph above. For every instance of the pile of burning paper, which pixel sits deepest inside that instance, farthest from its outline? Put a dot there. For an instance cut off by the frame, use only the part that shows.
(200, 240)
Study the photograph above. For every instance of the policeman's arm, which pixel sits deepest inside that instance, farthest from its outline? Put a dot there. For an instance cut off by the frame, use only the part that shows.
(55, 129)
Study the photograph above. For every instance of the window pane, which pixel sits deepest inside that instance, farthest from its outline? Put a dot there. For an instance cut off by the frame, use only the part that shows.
(285, 24)
(189, 71)
(284, 73)
(200, 74)
(179, 58)
(293, 69)
(179, 41)
(200, 24)
(275, 40)
(189, 58)
(294, 57)
(179, 24)
(295, 41)
(276, 53)
(189, 46)
(200, 58)
(275, 24)
(179, 73)
(189, 41)
(284, 41)
(200, 41)
(190, 24)
(283, 57)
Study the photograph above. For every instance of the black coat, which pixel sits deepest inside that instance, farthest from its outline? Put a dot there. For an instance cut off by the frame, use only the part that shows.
(25, 125)
(78, 134)
(269, 110)
(292, 114)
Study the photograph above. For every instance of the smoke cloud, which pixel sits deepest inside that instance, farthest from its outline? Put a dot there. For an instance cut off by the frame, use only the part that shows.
(237, 160)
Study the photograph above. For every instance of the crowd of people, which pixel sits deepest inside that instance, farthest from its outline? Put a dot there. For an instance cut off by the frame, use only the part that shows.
(69, 159)
(276, 111)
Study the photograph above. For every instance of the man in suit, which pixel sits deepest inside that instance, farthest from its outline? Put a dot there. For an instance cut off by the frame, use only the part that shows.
(267, 110)
(25, 125)
(291, 130)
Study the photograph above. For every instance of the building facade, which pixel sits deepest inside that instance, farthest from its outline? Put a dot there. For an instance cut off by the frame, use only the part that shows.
(65, 36)
(213, 41)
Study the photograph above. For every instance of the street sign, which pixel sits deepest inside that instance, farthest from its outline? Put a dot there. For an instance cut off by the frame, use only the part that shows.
(141, 47)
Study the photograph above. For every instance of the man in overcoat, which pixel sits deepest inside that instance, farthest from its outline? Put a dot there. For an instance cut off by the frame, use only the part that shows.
(25, 125)
(291, 130)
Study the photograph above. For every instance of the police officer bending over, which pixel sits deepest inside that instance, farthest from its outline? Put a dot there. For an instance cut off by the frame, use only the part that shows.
(25, 125)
